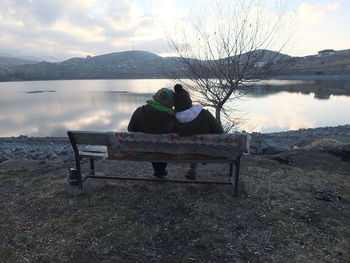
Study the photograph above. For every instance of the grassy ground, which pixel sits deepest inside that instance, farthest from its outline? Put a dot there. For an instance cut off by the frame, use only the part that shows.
(293, 207)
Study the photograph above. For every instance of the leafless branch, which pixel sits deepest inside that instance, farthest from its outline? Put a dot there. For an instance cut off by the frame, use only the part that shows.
(219, 60)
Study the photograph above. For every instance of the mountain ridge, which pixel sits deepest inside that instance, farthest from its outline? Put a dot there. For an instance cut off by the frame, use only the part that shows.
(11, 61)
(144, 64)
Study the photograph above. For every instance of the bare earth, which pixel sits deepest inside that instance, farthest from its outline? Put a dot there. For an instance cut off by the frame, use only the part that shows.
(293, 207)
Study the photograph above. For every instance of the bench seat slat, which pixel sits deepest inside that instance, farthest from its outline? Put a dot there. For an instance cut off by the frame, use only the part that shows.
(95, 149)
(157, 156)
(93, 155)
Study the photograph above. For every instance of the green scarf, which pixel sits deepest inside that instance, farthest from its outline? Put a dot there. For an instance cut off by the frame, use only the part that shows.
(157, 105)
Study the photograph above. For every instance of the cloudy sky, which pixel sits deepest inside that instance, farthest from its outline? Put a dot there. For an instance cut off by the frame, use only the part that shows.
(59, 29)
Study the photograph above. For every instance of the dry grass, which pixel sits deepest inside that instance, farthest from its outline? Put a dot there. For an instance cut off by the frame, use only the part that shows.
(295, 211)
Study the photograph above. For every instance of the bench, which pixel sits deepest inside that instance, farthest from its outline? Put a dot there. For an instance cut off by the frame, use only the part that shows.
(135, 146)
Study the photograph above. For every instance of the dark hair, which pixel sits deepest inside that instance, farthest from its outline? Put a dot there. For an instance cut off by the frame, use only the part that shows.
(182, 100)
(178, 88)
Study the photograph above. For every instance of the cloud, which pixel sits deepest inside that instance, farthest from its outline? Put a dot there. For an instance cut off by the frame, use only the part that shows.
(62, 29)
(317, 23)
(332, 6)
(122, 13)
(314, 14)
(41, 12)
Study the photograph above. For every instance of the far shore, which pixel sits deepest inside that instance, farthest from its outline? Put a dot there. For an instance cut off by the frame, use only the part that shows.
(313, 77)
(280, 77)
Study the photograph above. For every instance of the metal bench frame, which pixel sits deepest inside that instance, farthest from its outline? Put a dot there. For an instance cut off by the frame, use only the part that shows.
(77, 178)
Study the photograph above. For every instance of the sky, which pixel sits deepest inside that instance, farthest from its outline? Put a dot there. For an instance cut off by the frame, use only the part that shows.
(56, 30)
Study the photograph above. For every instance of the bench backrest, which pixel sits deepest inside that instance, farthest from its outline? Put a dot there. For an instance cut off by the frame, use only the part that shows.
(220, 145)
(88, 137)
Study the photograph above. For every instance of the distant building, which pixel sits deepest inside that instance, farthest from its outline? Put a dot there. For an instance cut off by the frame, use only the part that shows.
(326, 52)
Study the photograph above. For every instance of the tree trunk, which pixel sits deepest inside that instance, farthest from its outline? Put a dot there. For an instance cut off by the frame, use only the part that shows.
(218, 115)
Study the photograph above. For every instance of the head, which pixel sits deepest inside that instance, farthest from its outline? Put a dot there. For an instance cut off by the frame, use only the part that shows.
(165, 97)
(182, 99)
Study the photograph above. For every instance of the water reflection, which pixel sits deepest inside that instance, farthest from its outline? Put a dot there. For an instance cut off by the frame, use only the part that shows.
(108, 105)
(85, 105)
(54, 117)
(321, 89)
(291, 111)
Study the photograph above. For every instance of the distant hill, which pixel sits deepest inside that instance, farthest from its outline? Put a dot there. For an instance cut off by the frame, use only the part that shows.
(120, 65)
(9, 65)
(265, 55)
(8, 61)
(143, 64)
(128, 64)
(330, 63)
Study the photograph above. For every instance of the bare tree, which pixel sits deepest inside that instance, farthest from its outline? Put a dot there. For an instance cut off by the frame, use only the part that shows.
(227, 50)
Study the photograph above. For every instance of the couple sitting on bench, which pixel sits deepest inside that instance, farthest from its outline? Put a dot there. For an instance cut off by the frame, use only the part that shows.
(158, 116)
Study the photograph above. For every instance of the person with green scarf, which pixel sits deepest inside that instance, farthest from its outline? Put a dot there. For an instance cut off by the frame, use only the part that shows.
(156, 116)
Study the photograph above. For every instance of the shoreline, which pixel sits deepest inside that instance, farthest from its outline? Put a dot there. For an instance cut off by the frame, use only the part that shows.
(280, 77)
(313, 77)
(59, 148)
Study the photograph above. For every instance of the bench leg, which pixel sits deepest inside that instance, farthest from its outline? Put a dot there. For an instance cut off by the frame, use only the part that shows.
(74, 177)
(77, 172)
(78, 167)
(237, 166)
(231, 171)
(92, 166)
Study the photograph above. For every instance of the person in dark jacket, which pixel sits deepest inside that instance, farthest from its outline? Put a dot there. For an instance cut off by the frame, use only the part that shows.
(192, 119)
(156, 116)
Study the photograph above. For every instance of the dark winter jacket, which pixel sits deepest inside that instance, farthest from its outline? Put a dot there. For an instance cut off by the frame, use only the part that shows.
(199, 121)
(149, 119)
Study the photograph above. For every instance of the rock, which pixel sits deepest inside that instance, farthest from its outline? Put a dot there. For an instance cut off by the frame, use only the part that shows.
(52, 156)
(64, 151)
(252, 150)
(3, 158)
(7, 151)
(269, 146)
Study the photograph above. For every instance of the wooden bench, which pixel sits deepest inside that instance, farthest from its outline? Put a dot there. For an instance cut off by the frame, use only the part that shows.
(128, 146)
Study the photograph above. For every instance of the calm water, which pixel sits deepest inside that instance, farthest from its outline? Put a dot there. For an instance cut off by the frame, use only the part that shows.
(50, 108)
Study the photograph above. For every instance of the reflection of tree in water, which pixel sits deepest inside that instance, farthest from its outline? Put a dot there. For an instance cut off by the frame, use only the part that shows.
(322, 96)
(334, 84)
(322, 89)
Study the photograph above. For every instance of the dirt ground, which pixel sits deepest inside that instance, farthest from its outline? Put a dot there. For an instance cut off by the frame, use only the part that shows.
(292, 207)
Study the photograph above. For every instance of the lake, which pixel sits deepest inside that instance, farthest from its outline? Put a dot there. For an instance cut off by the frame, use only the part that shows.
(50, 108)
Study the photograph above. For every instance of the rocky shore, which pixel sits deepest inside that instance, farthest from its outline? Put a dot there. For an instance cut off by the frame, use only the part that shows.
(270, 143)
(59, 148)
